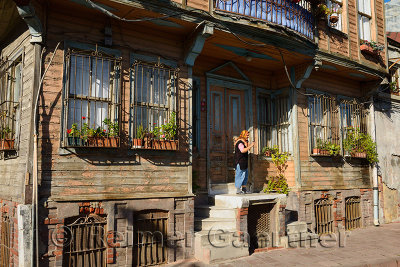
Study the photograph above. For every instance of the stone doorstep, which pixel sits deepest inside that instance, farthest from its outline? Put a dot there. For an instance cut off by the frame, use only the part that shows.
(212, 237)
(214, 212)
(214, 223)
(222, 188)
(296, 227)
(243, 201)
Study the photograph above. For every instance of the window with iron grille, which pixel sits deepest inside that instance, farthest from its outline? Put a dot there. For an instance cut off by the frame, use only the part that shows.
(154, 96)
(354, 119)
(91, 96)
(10, 92)
(353, 213)
(323, 121)
(6, 231)
(150, 237)
(323, 216)
(274, 122)
(85, 241)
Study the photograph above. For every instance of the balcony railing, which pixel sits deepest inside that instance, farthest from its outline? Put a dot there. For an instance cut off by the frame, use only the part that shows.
(296, 16)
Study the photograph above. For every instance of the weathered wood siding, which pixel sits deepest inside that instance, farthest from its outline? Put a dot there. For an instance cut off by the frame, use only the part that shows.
(13, 168)
(327, 173)
(114, 173)
(346, 43)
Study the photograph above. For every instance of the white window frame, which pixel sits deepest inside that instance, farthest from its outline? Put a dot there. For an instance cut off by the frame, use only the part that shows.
(364, 19)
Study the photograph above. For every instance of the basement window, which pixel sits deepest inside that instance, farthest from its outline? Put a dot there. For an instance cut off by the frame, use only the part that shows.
(91, 96)
(10, 93)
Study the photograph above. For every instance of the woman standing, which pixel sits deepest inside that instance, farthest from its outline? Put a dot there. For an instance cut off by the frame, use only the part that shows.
(241, 161)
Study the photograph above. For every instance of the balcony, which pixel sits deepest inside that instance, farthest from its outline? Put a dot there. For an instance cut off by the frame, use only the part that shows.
(295, 16)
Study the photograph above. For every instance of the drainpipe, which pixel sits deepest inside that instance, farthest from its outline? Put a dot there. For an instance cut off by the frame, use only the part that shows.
(374, 167)
(190, 128)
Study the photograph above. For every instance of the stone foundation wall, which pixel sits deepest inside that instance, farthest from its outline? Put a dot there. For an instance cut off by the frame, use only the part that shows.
(306, 207)
(120, 226)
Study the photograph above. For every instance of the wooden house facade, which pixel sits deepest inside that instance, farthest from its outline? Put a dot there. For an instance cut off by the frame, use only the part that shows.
(136, 106)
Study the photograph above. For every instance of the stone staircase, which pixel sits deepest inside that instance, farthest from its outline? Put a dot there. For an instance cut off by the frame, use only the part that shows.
(215, 225)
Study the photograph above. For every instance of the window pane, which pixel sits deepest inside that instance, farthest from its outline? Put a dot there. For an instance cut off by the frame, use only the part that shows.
(100, 78)
(98, 112)
(17, 85)
(76, 110)
(79, 75)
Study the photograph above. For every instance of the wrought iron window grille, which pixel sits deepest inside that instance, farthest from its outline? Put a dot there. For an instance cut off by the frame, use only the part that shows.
(274, 122)
(323, 216)
(154, 97)
(5, 238)
(10, 93)
(92, 99)
(353, 213)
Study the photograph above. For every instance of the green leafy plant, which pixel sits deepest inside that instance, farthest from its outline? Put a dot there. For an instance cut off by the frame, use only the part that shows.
(393, 87)
(374, 45)
(74, 131)
(270, 150)
(113, 128)
(168, 130)
(320, 144)
(332, 148)
(5, 133)
(358, 142)
(278, 183)
(140, 132)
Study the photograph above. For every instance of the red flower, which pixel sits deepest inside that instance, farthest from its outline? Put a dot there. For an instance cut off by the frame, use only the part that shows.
(69, 131)
(104, 130)
(83, 118)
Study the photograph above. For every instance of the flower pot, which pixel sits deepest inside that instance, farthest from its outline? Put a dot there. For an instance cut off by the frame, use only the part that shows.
(147, 143)
(333, 19)
(316, 151)
(114, 141)
(74, 141)
(366, 49)
(137, 143)
(7, 144)
(359, 155)
(156, 144)
(96, 142)
(267, 153)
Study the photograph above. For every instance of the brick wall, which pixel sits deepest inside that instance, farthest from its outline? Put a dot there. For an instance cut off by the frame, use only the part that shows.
(9, 211)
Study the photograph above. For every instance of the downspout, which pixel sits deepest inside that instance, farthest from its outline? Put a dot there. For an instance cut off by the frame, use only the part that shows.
(190, 129)
(374, 167)
(27, 13)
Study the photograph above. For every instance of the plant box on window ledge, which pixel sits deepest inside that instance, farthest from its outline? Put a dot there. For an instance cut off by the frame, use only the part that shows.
(6, 144)
(320, 152)
(103, 141)
(165, 144)
(361, 155)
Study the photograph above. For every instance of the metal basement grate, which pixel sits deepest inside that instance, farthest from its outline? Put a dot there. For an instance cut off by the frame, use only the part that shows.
(5, 241)
(86, 242)
(353, 213)
(150, 238)
(259, 225)
(323, 216)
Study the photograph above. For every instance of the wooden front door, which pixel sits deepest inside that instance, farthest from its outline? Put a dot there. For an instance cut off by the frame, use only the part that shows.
(227, 119)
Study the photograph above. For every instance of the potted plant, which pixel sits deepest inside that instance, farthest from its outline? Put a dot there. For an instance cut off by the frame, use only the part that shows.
(140, 133)
(268, 151)
(331, 148)
(166, 134)
(371, 48)
(74, 136)
(111, 136)
(6, 142)
(96, 137)
(393, 87)
(360, 145)
(319, 149)
(334, 13)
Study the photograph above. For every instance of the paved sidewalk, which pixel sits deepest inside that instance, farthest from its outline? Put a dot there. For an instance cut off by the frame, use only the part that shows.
(371, 246)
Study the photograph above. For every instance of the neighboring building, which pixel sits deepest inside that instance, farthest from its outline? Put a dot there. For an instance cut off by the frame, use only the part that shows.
(387, 116)
(392, 16)
(219, 67)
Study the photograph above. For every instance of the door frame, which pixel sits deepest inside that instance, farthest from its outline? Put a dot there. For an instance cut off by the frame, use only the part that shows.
(230, 83)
